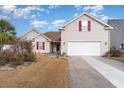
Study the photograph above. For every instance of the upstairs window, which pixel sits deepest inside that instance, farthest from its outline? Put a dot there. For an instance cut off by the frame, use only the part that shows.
(84, 25)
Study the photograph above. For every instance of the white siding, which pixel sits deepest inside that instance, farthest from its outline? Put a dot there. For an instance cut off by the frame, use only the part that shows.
(97, 33)
(41, 39)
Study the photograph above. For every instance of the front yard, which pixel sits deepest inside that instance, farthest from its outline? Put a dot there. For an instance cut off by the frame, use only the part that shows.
(115, 54)
(121, 58)
(47, 72)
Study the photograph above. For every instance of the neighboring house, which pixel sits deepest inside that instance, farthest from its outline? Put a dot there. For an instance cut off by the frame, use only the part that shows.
(117, 34)
(85, 35)
(9, 47)
(48, 42)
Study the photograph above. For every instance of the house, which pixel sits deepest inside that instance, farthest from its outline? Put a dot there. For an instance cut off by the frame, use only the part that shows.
(85, 35)
(48, 42)
(117, 34)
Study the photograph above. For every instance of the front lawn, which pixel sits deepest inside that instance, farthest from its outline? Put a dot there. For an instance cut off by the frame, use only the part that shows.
(121, 58)
(47, 72)
(115, 54)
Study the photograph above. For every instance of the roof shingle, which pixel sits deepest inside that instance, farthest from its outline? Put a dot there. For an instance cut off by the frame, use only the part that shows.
(54, 36)
(117, 24)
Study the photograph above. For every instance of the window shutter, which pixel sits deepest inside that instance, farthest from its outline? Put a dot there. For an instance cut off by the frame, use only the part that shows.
(37, 45)
(89, 25)
(43, 45)
(80, 26)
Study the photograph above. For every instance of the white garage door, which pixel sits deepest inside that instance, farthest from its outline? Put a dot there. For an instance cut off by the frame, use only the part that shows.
(84, 48)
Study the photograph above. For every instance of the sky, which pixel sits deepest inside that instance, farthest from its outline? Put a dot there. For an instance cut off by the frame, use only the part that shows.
(50, 17)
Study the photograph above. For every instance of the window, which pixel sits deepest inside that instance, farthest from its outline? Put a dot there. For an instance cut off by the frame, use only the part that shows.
(40, 45)
(84, 25)
(122, 45)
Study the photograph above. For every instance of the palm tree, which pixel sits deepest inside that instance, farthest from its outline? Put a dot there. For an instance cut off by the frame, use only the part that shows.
(7, 32)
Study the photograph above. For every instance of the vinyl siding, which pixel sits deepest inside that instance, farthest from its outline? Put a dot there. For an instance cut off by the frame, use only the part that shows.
(97, 33)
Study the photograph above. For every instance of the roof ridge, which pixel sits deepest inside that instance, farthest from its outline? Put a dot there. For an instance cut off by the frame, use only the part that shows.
(88, 14)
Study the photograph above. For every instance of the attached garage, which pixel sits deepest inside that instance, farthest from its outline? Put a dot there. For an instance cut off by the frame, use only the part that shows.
(84, 48)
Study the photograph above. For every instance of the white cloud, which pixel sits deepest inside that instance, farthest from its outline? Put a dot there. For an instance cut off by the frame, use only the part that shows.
(32, 8)
(53, 6)
(26, 12)
(78, 7)
(76, 14)
(94, 9)
(86, 8)
(33, 16)
(8, 8)
(97, 11)
(38, 23)
(58, 23)
(104, 17)
(21, 12)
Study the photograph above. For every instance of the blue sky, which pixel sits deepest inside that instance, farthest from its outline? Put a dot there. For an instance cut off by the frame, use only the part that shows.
(50, 18)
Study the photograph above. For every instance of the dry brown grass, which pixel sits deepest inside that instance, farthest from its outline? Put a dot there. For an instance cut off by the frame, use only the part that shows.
(121, 58)
(47, 72)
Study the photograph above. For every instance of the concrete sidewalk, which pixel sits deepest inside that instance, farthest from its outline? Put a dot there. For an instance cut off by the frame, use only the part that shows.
(114, 63)
(114, 75)
(82, 75)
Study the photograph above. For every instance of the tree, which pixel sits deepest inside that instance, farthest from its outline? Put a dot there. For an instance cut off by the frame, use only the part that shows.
(7, 32)
(6, 27)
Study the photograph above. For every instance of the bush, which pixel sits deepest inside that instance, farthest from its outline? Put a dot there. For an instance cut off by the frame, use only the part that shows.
(27, 46)
(4, 57)
(114, 52)
(64, 54)
(3, 60)
(29, 57)
(17, 60)
(18, 57)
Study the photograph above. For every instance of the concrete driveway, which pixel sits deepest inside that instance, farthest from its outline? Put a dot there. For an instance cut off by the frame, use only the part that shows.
(111, 71)
(82, 75)
(114, 63)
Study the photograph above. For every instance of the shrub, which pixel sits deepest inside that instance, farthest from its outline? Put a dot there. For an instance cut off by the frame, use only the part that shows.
(17, 60)
(3, 60)
(18, 57)
(113, 52)
(64, 54)
(27, 46)
(4, 57)
(29, 57)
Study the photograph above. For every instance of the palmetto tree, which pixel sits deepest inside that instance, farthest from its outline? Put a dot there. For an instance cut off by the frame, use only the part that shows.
(7, 32)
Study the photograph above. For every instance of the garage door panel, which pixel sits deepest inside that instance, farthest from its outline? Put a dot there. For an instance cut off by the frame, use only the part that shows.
(84, 48)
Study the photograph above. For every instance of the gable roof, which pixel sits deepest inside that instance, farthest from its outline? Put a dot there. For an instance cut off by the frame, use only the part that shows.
(91, 16)
(54, 36)
(38, 33)
(33, 30)
(41, 34)
(117, 24)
